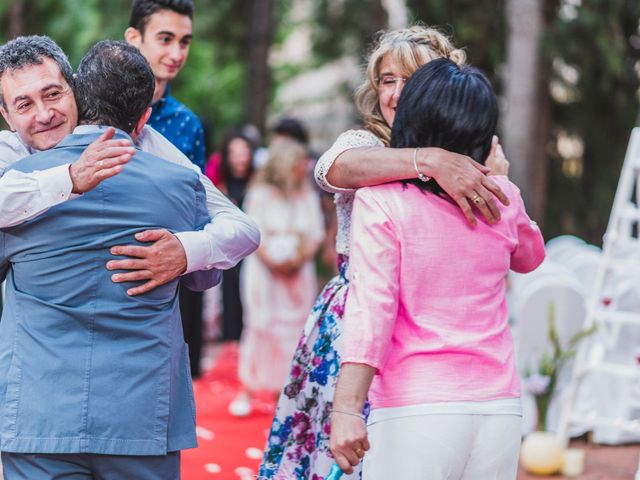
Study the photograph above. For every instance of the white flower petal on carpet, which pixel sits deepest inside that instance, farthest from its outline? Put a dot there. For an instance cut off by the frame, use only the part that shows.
(244, 472)
(205, 433)
(212, 468)
(253, 453)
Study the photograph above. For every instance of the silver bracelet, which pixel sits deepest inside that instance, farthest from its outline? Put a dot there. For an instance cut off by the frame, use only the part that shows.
(353, 414)
(421, 176)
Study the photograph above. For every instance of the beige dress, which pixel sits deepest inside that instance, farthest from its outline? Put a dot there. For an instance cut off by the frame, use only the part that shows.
(276, 306)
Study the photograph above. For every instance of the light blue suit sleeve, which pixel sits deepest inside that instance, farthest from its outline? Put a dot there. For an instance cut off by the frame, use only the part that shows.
(201, 280)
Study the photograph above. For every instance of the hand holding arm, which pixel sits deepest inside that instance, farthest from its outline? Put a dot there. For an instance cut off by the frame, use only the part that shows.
(348, 440)
(158, 263)
(101, 160)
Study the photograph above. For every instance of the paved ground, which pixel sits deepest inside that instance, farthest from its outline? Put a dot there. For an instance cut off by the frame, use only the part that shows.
(602, 463)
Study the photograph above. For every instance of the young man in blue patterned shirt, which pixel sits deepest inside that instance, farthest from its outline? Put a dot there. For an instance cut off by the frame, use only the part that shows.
(162, 31)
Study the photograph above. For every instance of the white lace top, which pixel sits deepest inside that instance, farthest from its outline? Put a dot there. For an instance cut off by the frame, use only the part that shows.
(343, 196)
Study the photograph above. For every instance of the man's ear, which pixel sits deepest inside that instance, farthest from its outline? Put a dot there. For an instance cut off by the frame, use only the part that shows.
(143, 121)
(7, 118)
(133, 36)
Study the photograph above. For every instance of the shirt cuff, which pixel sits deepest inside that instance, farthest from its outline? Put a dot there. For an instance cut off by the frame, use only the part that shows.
(55, 184)
(363, 360)
(197, 249)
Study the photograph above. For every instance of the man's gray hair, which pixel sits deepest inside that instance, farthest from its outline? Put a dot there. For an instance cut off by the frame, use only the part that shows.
(25, 51)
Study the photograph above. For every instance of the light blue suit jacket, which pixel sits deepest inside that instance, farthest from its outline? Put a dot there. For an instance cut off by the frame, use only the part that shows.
(85, 368)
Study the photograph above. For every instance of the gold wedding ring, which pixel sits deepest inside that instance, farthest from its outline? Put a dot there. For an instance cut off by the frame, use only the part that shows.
(476, 199)
(359, 452)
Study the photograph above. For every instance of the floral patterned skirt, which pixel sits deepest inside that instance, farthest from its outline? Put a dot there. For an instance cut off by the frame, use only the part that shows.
(298, 443)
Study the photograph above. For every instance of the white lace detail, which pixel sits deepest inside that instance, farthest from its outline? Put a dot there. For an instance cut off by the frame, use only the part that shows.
(343, 196)
(346, 141)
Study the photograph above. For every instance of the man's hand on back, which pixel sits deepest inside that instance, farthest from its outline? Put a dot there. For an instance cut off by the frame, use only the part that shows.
(101, 160)
(158, 263)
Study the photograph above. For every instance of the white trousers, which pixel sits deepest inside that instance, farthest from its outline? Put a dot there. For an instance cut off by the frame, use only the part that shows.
(444, 447)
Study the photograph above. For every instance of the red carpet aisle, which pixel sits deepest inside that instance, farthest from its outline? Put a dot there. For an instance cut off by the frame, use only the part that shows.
(229, 448)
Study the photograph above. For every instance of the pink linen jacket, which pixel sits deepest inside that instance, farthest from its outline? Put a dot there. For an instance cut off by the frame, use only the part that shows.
(426, 304)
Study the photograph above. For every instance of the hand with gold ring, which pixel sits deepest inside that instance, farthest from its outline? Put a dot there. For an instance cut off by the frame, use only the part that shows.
(462, 179)
(348, 441)
(102, 159)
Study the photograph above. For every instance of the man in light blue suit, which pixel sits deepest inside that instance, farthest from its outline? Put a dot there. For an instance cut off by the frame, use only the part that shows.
(95, 383)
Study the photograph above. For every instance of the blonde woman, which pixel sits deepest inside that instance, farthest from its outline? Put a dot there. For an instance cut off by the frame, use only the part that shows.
(278, 282)
(298, 443)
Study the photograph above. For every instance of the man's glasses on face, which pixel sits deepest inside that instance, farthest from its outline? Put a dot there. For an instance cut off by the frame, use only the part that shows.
(50, 98)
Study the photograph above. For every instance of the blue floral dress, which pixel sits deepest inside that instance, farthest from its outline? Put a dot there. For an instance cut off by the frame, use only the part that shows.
(298, 443)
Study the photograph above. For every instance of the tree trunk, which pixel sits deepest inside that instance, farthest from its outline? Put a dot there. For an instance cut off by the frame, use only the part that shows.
(524, 119)
(261, 25)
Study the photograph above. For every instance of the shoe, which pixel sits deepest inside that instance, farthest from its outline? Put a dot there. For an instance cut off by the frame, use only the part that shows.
(240, 406)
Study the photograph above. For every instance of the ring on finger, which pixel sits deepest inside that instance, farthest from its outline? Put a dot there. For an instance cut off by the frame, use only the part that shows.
(359, 452)
(101, 164)
(476, 199)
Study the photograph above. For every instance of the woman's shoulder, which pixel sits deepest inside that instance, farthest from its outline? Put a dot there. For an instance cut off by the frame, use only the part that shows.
(384, 194)
(509, 188)
(359, 138)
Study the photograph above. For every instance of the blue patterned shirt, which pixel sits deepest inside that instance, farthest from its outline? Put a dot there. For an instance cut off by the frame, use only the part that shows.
(180, 126)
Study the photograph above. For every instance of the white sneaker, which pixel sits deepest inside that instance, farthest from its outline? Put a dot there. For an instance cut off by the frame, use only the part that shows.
(240, 406)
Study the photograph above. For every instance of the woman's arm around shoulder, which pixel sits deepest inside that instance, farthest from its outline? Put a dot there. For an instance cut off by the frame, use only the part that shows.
(349, 166)
(343, 178)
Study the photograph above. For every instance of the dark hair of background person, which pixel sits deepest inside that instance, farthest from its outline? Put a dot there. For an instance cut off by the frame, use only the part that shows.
(141, 10)
(447, 106)
(114, 85)
(225, 167)
(26, 51)
(292, 127)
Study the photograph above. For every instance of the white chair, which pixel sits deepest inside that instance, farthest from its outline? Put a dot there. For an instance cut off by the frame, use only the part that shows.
(519, 281)
(560, 246)
(584, 266)
(531, 313)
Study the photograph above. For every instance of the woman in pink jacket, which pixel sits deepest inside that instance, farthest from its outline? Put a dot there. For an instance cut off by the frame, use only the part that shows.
(426, 330)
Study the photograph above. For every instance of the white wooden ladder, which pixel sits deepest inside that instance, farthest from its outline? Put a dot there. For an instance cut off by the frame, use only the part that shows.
(621, 255)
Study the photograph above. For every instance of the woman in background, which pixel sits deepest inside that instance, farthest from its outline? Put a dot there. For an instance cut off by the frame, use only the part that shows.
(278, 282)
(233, 174)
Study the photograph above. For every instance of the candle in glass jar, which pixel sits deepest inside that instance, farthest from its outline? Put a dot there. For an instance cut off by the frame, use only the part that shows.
(573, 464)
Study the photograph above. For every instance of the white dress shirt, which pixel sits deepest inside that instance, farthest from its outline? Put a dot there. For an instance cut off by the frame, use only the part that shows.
(228, 238)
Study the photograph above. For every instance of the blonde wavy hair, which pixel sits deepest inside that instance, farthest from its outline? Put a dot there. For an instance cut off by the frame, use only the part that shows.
(283, 154)
(412, 47)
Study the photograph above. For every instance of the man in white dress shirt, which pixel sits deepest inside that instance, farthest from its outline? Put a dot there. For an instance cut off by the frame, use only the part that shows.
(37, 101)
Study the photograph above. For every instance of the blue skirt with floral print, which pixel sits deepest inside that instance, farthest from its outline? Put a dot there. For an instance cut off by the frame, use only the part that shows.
(298, 443)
